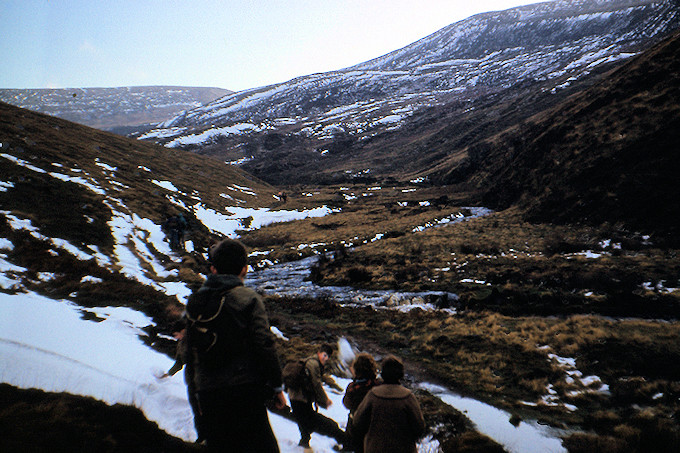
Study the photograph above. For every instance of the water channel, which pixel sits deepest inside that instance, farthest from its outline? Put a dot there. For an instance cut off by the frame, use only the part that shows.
(290, 279)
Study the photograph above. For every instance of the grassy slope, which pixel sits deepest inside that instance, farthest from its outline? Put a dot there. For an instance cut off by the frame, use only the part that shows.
(608, 154)
(43, 140)
(70, 211)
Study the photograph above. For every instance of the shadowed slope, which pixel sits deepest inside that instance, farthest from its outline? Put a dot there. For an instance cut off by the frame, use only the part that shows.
(607, 155)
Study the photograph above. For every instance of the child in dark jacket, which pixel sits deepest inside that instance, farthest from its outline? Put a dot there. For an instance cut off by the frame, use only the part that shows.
(364, 370)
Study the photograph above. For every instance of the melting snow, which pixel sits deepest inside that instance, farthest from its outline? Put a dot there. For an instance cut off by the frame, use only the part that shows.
(60, 352)
(256, 217)
(527, 437)
(167, 185)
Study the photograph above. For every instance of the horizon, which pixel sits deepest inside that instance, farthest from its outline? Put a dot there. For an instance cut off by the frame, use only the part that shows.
(223, 44)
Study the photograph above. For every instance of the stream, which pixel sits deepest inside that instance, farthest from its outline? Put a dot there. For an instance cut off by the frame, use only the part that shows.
(289, 279)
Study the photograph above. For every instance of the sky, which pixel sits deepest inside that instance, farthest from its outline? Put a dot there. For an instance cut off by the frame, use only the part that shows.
(228, 44)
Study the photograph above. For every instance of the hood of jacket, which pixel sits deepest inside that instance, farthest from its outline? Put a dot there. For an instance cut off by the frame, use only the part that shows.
(391, 391)
(206, 301)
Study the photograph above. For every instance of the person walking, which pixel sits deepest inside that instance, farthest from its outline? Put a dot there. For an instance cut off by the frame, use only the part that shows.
(364, 371)
(233, 357)
(182, 226)
(389, 418)
(172, 227)
(301, 400)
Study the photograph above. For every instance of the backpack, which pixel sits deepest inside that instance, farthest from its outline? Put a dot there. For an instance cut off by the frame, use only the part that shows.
(215, 336)
(295, 375)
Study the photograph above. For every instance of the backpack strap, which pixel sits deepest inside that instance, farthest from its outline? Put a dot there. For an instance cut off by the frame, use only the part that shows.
(201, 318)
(196, 323)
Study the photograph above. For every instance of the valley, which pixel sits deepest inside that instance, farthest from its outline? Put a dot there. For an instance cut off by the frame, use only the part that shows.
(574, 327)
(501, 212)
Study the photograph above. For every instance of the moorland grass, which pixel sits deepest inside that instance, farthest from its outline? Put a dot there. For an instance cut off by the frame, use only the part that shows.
(512, 361)
(504, 264)
(532, 297)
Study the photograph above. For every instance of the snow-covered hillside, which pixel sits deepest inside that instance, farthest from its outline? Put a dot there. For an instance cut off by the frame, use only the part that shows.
(59, 351)
(135, 237)
(107, 108)
(55, 349)
(559, 42)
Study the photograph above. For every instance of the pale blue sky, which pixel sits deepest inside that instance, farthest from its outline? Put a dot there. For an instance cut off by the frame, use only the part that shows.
(228, 44)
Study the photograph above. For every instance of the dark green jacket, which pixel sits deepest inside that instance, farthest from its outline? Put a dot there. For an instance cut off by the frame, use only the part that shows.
(248, 355)
(315, 393)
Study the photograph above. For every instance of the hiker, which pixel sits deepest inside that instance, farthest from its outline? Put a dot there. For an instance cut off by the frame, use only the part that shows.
(182, 227)
(181, 356)
(389, 418)
(172, 228)
(232, 352)
(301, 400)
(364, 371)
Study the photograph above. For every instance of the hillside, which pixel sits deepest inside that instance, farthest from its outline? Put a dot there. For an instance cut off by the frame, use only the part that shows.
(119, 109)
(106, 196)
(117, 165)
(608, 154)
(404, 112)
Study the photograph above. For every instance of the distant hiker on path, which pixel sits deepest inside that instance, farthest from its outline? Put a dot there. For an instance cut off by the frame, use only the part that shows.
(389, 418)
(174, 228)
(183, 226)
(364, 371)
(236, 367)
(301, 400)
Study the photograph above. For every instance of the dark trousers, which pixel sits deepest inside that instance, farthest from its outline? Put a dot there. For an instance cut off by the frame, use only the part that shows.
(310, 421)
(193, 402)
(234, 419)
(195, 408)
(355, 442)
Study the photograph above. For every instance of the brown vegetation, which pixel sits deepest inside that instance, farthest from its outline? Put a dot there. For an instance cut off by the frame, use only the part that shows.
(44, 422)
